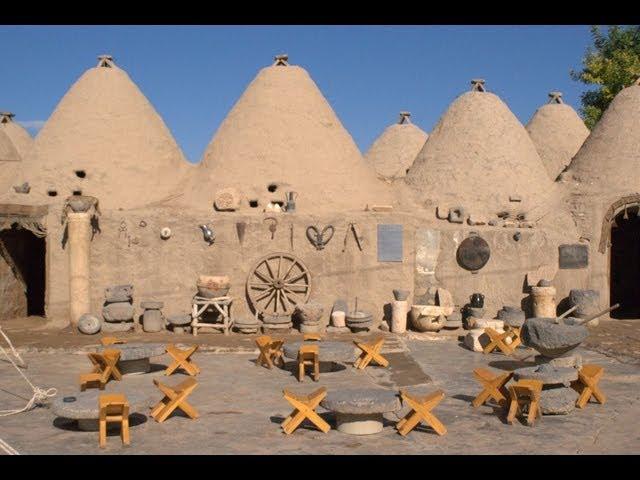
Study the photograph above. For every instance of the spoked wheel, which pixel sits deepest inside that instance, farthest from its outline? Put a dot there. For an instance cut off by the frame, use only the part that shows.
(277, 283)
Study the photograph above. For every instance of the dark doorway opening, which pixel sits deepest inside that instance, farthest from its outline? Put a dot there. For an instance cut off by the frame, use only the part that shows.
(26, 256)
(625, 264)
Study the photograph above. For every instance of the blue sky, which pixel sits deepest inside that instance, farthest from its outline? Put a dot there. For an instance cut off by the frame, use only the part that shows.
(194, 74)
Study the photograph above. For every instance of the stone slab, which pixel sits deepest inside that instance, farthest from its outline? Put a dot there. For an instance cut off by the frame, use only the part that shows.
(137, 351)
(361, 401)
(548, 374)
(341, 352)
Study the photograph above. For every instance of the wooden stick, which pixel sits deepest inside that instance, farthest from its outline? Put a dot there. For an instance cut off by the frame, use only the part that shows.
(599, 314)
(557, 320)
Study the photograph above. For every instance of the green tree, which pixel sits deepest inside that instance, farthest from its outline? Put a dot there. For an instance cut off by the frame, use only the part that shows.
(612, 63)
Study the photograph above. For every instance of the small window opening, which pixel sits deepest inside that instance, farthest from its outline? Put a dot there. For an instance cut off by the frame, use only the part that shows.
(81, 173)
(278, 202)
(77, 192)
(52, 193)
(272, 187)
(253, 203)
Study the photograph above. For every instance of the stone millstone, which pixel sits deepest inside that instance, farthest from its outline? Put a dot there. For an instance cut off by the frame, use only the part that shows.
(179, 320)
(547, 374)
(309, 312)
(119, 293)
(558, 401)
(340, 352)
(361, 401)
(359, 317)
(118, 312)
(138, 350)
(89, 324)
(151, 305)
(250, 322)
(276, 320)
(306, 328)
(551, 339)
(114, 327)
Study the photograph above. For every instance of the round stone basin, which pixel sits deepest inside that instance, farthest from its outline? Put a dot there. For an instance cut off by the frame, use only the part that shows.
(85, 408)
(359, 410)
(548, 374)
(338, 352)
(134, 357)
(552, 339)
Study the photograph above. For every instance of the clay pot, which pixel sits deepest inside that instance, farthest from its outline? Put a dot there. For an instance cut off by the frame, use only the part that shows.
(427, 318)
(213, 286)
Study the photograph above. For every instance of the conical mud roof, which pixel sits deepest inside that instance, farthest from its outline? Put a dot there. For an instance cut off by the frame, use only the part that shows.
(282, 135)
(106, 140)
(557, 133)
(18, 135)
(394, 151)
(609, 160)
(479, 156)
(9, 162)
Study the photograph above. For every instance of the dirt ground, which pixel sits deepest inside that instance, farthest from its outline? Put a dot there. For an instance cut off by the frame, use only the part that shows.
(241, 406)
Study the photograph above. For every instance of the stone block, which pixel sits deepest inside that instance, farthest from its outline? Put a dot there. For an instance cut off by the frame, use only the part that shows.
(227, 199)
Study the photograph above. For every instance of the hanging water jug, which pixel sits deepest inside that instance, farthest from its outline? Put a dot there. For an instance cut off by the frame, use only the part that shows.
(291, 201)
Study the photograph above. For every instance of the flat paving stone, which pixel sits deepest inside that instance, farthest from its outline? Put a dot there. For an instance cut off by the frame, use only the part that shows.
(341, 352)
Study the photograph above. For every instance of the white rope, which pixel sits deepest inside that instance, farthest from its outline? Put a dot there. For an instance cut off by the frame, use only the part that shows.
(39, 394)
(15, 352)
(8, 448)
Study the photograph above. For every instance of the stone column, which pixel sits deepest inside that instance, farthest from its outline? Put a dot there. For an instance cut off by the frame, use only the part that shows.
(399, 310)
(544, 301)
(79, 234)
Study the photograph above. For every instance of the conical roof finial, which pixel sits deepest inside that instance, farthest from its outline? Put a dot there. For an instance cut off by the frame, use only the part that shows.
(404, 118)
(281, 60)
(6, 117)
(555, 97)
(477, 85)
(105, 61)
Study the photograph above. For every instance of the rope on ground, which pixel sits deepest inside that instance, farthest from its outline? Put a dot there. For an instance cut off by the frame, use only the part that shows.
(15, 352)
(39, 394)
(8, 448)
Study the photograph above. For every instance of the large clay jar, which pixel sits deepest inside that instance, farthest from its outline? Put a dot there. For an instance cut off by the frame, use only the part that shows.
(213, 286)
(427, 318)
(544, 301)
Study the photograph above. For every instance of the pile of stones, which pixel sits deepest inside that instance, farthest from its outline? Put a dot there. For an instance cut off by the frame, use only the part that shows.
(118, 310)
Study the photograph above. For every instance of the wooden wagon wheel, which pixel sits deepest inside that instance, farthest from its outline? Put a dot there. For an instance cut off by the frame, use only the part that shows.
(277, 283)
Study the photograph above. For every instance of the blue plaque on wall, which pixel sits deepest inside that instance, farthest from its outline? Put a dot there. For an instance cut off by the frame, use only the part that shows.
(390, 243)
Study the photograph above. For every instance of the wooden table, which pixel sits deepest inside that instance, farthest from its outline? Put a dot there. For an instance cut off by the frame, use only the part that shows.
(217, 304)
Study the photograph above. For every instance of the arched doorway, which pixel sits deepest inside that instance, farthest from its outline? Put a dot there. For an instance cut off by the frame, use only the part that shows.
(24, 255)
(624, 270)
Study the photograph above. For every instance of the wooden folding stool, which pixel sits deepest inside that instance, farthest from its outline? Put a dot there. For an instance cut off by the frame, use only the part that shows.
(525, 393)
(493, 386)
(113, 408)
(182, 359)
(587, 385)
(421, 407)
(497, 340)
(312, 337)
(174, 397)
(309, 355)
(106, 341)
(304, 407)
(370, 351)
(104, 367)
(270, 352)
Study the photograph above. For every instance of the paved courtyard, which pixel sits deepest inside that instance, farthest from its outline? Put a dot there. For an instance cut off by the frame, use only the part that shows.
(241, 407)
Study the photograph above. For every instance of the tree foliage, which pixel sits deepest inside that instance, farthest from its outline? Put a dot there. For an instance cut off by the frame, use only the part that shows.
(612, 63)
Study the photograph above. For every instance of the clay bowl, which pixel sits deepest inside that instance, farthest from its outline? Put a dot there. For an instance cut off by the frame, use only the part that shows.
(207, 292)
(210, 281)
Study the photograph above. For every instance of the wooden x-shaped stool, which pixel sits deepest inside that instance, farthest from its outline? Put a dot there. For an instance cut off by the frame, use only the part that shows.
(104, 367)
(370, 352)
(514, 333)
(525, 393)
(174, 397)
(270, 352)
(421, 412)
(106, 341)
(181, 358)
(497, 340)
(304, 407)
(312, 337)
(493, 386)
(587, 385)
